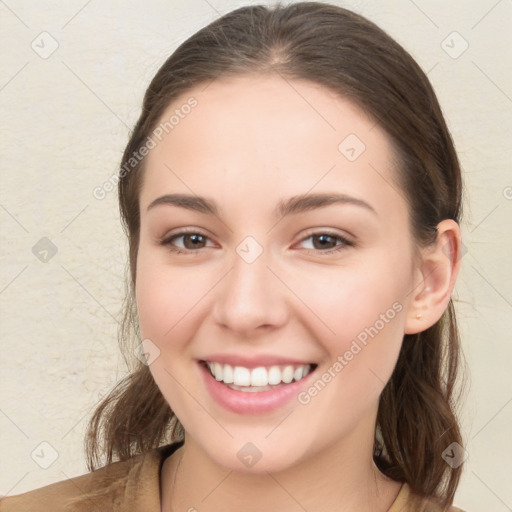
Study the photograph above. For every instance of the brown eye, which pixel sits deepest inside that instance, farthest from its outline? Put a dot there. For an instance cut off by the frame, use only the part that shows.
(326, 243)
(185, 242)
(193, 241)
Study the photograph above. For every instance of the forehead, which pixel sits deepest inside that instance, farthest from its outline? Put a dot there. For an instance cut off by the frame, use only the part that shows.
(267, 132)
(258, 107)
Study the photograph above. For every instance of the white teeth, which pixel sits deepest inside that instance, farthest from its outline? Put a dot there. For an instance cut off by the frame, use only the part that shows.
(227, 375)
(287, 374)
(241, 376)
(257, 379)
(298, 374)
(274, 375)
(217, 371)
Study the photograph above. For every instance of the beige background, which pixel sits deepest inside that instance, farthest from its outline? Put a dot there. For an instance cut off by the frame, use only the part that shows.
(65, 118)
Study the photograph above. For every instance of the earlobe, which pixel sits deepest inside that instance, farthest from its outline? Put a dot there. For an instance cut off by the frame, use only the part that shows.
(435, 278)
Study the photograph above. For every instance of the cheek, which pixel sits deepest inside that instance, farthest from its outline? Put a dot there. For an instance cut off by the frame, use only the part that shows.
(346, 300)
(154, 302)
(359, 319)
(165, 296)
(164, 304)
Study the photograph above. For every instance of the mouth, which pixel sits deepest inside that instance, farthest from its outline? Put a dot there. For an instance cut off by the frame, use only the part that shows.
(259, 379)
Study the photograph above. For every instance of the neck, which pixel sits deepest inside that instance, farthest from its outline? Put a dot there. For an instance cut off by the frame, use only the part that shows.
(341, 478)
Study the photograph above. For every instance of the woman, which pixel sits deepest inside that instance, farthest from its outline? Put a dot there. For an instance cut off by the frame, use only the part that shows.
(291, 196)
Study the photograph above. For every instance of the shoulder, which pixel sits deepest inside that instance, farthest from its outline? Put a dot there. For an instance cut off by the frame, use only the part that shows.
(404, 500)
(135, 480)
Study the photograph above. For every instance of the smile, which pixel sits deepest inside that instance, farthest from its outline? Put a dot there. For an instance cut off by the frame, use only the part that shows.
(262, 378)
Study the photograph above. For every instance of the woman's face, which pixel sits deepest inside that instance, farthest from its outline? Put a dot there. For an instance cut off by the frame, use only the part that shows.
(305, 259)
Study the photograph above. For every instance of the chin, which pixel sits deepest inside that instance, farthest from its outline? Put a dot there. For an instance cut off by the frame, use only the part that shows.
(254, 457)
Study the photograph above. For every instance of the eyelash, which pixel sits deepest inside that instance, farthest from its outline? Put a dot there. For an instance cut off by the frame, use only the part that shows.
(343, 245)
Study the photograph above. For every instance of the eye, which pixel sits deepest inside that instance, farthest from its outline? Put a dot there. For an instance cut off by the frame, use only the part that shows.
(326, 242)
(190, 242)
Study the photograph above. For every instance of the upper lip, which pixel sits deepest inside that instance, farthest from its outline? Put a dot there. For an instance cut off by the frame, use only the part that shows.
(255, 361)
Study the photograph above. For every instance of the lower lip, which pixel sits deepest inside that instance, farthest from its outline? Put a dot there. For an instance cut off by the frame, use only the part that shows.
(244, 402)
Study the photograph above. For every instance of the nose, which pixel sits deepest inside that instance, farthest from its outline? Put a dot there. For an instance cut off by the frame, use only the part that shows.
(250, 299)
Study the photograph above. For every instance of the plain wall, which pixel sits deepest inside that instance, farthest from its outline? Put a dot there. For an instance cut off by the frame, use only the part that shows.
(65, 119)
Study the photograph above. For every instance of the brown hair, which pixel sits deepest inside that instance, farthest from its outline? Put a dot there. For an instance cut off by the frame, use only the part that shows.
(351, 56)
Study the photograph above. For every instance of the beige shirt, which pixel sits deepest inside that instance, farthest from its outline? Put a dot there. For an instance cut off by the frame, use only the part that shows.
(132, 485)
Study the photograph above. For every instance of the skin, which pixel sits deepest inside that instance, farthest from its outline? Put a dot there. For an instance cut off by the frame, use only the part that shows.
(251, 142)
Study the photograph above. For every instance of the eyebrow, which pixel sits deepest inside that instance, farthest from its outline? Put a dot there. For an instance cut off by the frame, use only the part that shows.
(295, 204)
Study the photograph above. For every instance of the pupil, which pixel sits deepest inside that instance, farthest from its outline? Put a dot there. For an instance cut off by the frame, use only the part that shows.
(323, 238)
(193, 239)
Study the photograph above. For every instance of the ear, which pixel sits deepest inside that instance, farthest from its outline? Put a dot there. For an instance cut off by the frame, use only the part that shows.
(435, 277)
